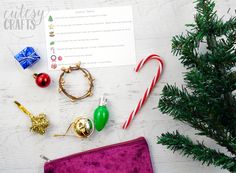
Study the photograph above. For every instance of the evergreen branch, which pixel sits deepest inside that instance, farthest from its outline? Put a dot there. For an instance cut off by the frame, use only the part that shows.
(186, 47)
(200, 152)
(185, 108)
(231, 78)
(203, 84)
(214, 101)
(205, 17)
(223, 28)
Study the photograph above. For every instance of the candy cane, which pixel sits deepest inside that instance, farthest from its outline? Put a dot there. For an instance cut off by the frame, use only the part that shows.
(149, 90)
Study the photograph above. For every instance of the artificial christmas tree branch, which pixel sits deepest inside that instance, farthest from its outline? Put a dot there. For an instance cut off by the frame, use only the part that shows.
(186, 113)
(200, 152)
(207, 102)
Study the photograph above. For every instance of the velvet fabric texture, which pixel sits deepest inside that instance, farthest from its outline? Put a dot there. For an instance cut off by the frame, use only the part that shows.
(126, 157)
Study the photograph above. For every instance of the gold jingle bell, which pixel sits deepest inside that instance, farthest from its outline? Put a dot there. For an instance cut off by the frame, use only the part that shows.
(83, 127)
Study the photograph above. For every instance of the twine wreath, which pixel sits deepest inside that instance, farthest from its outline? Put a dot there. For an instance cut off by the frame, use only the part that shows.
(87, 75)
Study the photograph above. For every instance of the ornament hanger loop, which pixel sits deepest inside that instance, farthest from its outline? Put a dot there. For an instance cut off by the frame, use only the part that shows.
(23, 109)
(86, 73)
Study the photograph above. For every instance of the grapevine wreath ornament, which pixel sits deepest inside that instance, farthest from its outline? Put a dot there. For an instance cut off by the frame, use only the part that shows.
(87, 75)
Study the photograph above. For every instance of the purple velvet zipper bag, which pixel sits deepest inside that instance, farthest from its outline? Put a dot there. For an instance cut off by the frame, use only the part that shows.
(126, 157)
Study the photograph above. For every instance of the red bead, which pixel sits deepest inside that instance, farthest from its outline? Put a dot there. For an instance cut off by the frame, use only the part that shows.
(42, 79)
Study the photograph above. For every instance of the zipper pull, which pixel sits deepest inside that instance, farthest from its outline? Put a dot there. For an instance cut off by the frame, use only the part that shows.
(45, 158)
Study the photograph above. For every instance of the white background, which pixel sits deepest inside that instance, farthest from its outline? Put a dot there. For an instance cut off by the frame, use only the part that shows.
(155, 22)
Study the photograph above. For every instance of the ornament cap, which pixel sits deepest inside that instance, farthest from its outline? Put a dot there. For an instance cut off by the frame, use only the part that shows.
(102, 101)
(35, 75)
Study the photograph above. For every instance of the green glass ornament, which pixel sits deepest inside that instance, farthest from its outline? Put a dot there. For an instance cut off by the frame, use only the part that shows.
(101, 115)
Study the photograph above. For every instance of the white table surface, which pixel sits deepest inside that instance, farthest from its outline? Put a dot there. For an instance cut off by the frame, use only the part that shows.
(155, 22)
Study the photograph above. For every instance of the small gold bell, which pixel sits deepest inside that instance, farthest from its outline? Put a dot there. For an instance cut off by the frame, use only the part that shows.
(82, 127)
(39, 122)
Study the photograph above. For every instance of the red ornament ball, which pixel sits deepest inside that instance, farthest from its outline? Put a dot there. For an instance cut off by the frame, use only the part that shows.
(42, 79)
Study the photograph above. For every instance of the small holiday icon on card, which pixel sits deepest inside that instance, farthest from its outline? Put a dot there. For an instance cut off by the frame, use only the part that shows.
(51, 26)
(53, 50)
(54, 66)
(51, 34)
(52, 43)
(50, 19)
(60, 58)
(53, 58)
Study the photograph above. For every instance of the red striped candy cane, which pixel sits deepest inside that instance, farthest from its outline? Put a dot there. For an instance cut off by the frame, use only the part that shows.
(149, 90)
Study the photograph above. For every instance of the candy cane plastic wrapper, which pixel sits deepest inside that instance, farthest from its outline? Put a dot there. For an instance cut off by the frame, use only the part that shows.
(149, 89)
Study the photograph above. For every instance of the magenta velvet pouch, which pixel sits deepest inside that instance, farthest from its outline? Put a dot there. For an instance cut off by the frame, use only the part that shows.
(126, 157)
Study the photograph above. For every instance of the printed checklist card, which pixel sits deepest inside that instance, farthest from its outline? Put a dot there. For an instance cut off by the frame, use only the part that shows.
(96, 37)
